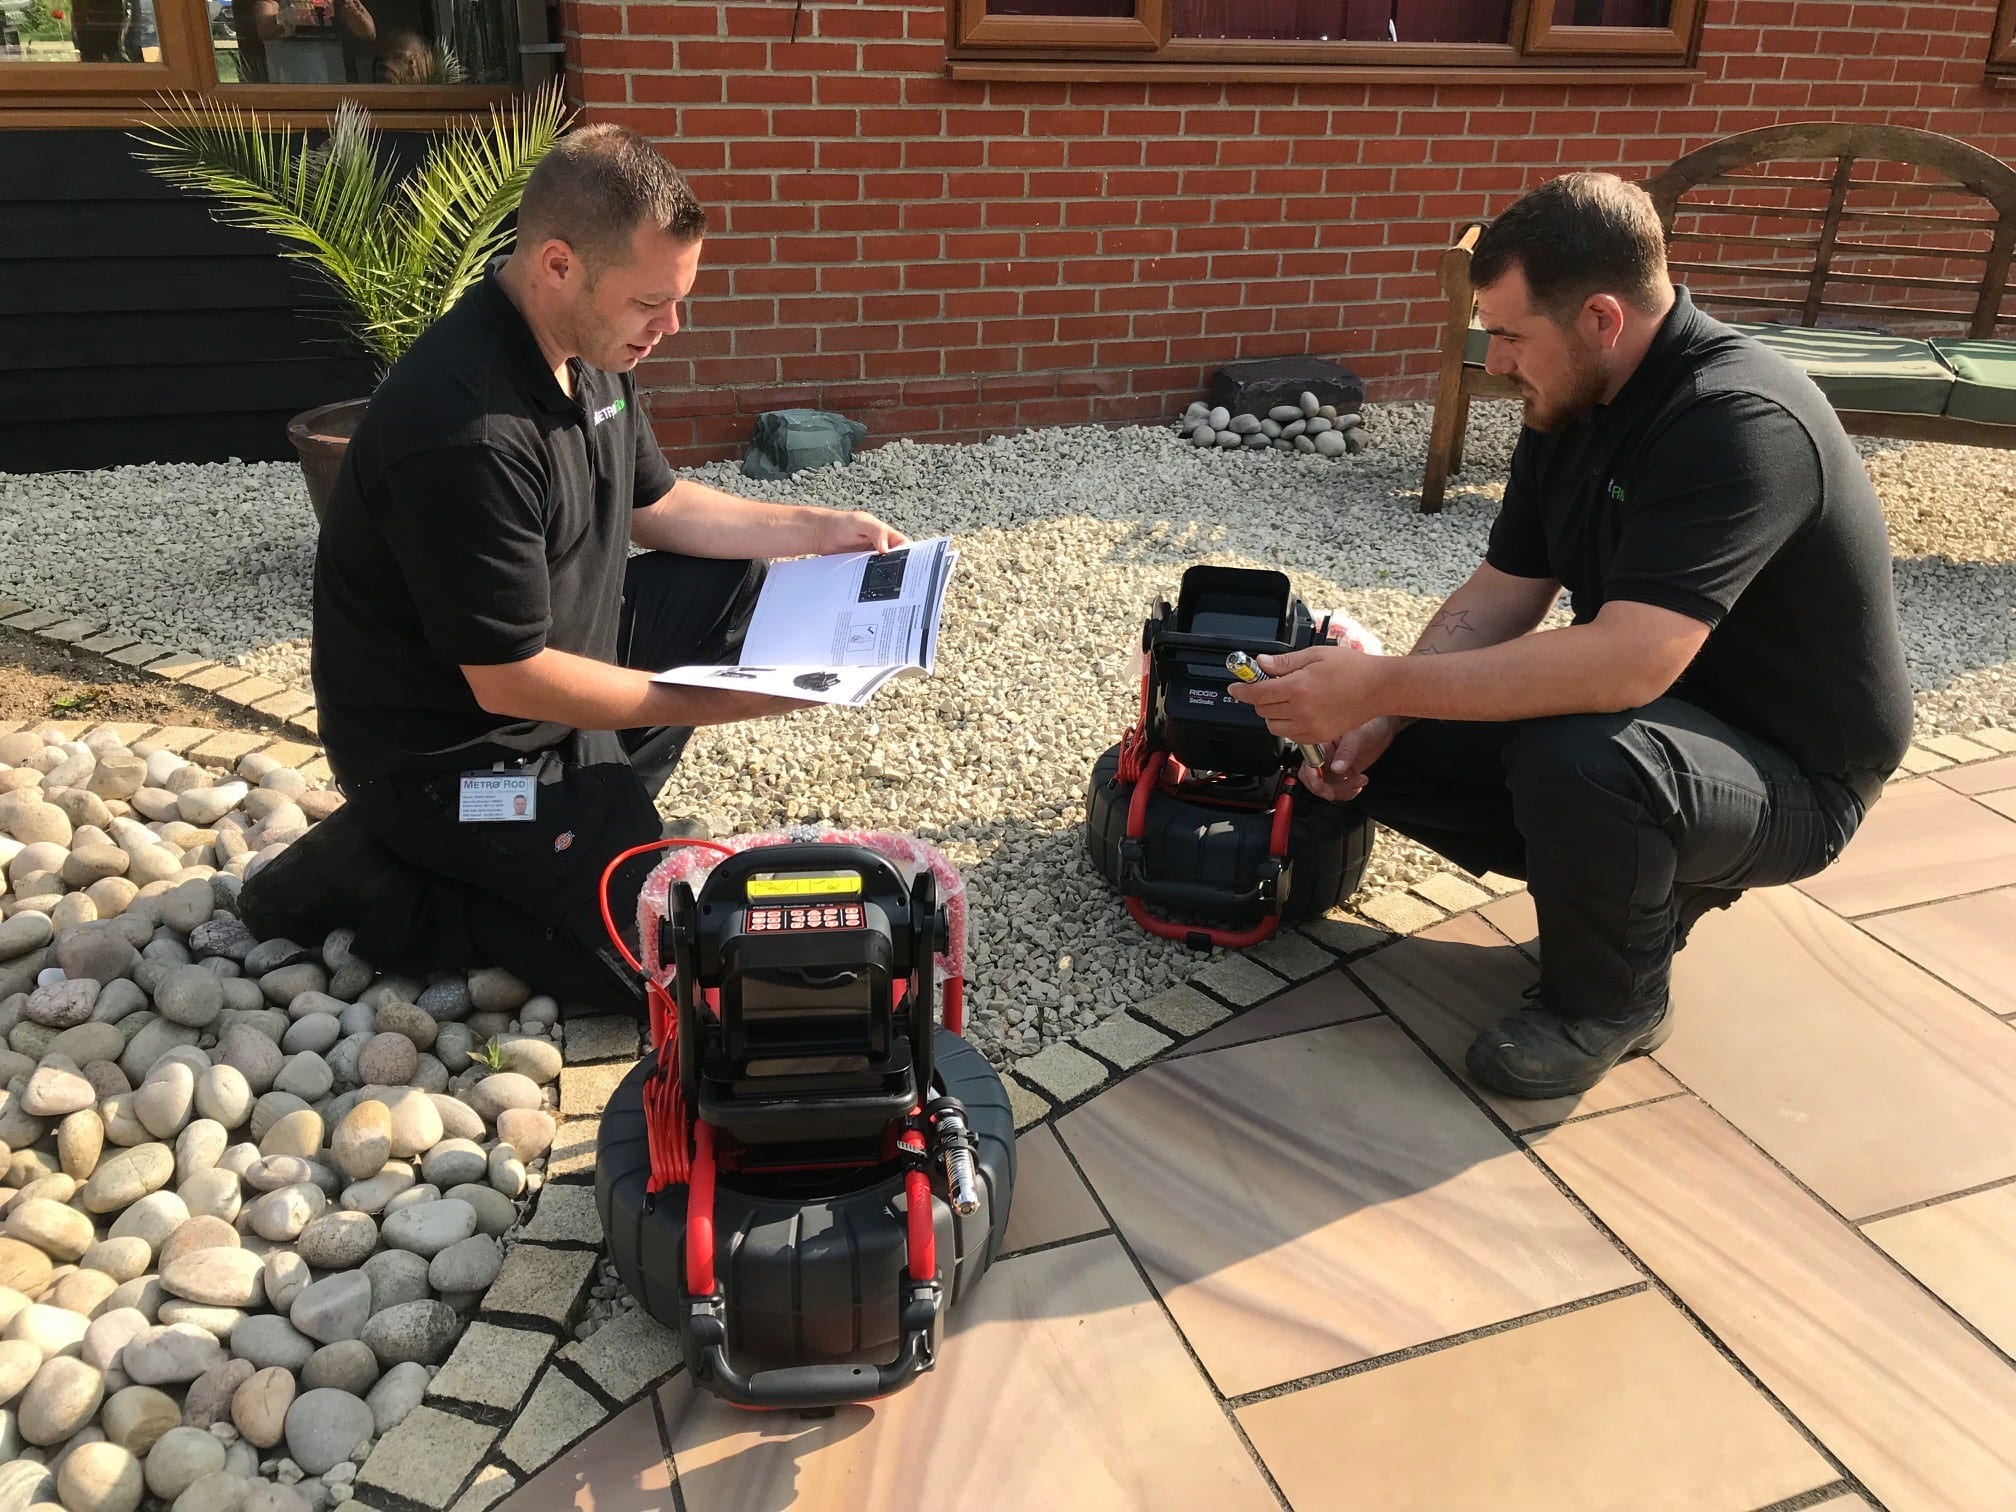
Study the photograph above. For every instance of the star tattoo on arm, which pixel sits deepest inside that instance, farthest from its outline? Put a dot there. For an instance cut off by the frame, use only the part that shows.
(1451, 622)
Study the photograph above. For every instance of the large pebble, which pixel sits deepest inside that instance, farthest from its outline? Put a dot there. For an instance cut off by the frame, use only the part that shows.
(496, 1214)
(507, 1089)
(217, 1277)
(82, 1292)
(51, 1330)
(534, 1058)
(269, 1173)
(100, 1477)
(454, 1161)
(63, 1397)
(427, 1228)
(388, 1059)
(215, 1321)
(447, 1000)
(259, 1408)
(19, 1360)
(125, 1178)
(24, 1268)
(187, 906)
(316, 1033)
(338, 1240)
(224, 1491)
(325, 1428)
(199, 1147)
(135, 1417)
(289, 982)
(363, 1140)
(418, 1331)
(507, 1171)
(224, 1095)
(121, 1259)
(171, 1353)
(153, 1218)
(416, 1122)
(492, 989)
(267, 1339)
(306, 1076)
(109, 1333)
(403, 1019)
(100, 951)
(151, 1043)
(80, 1140)
(22, 933)
(204, 806)
(468, 1265)
(26, 1485)
(228, 938)
(62, 1233)
(94, 863)
(336, 1307)
(395, 1396)
(287, 1274)
(166, 1099)
(202, 1231)
(396, 1277)
(213, 1193)
(190, 995)
(282, 1215)
(348, 1365)
(180, 1458)
(297, 1133)
(56, 1091)
(458, 1119)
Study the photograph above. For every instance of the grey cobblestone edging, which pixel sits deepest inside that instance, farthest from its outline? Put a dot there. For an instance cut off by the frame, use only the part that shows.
(519, 1389)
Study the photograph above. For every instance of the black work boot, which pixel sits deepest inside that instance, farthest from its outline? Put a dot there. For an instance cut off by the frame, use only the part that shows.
(325, 880)
(1535, 1053)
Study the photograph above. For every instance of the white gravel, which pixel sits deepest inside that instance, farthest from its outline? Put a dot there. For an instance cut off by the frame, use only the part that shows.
(1064, 535)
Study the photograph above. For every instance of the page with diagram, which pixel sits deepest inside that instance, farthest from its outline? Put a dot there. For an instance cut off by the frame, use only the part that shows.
(834, 629)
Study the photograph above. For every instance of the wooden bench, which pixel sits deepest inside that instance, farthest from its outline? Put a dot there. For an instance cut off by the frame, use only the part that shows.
(1812, 258)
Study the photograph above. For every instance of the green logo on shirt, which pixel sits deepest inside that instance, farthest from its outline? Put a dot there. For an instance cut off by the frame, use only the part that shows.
(1616, 488)
(607, 412)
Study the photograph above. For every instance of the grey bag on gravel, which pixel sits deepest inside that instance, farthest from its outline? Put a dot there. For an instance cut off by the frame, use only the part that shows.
(791, 440)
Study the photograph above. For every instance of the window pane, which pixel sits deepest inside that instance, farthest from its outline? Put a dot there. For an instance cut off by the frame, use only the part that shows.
(1351, 20)
(63, 31)
(1612, 12)
(364, 41)
(1124, 9)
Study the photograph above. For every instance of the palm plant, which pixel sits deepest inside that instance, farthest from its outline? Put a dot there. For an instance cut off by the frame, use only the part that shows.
(398, 252)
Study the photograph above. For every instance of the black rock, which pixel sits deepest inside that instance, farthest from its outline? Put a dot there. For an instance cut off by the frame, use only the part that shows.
(1254, 388)
(271, 955)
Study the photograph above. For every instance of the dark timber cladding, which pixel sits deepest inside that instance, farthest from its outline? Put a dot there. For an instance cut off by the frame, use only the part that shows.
(134, 328)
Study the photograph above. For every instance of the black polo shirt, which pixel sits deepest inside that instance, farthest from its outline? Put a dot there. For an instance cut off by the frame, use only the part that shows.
(480, 516)
(1720, 485)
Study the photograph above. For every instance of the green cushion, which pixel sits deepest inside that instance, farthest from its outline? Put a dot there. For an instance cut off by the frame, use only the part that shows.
(1985, 383)
(1859, 370)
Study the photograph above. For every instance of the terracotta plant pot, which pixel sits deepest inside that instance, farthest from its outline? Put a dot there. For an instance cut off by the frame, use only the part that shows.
(320, 437)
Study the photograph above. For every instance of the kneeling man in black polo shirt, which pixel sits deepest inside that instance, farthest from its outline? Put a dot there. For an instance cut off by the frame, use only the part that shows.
(1732, 692)
(483, 636)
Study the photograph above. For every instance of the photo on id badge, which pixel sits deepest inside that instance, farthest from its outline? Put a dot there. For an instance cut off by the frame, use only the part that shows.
(491, 797)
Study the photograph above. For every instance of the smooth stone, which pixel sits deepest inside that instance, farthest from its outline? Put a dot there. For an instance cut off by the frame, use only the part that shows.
(225, 1096)
(269, 1173)
(118, 1000)
(326, 1427)
(315, 1034)
(144, 1293)
(80, 1140)
(295, 1133)
(56, 1091)
(363, 1140)
(202, 1231)
(213, 1194)
(529, 1131)
(266, 1339)
(397, 1277)
(23, 933)
(410, 1021)
(107, 1080)
(101, 951)
(496, 1214)
(507, 1089)
(395, 1396)
(179, 1459)
(287, 1273)
(166, 1099)
(289, 982)
(199, 1147)
(170, 1354)
(217, 1277)
(306, 1076)
(388, 1058)
(62, 1233)
(282, 1215)
(534, 1058)
(153, 1218)
(453, 1162)
(82, 1292)
(63, 1397)
(108, 1334)
(255, 1056)
(338, 1240)
(427, 1228)
(150, 1044)
(121, 1259)
(24, 1268)
(126, 1177)
(122, 1124)
(100, 1477)
(191, 996)
(225, 1491)
(259, 1409)
(371, 1195)
(228, 938)
(417, 1331)
(215, 1321)
(135, 1417)
(416, 1122)
(336, 1307)
(187, 906)
(88, 864)
(99, 1039)
(448, 1000)
(204, 806)
(19, 1360)
(468, 1265)
(452, 1047)
(51, 1330)
(26, 1485)
(507, 1171)
(347, 1365)
(458, 1119)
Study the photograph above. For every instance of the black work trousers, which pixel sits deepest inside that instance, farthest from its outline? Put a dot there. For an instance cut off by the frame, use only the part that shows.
(1617, 823)
(525, 896)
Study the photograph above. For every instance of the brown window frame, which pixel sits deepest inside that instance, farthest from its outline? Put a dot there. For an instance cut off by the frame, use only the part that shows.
(2002, 43)
(118, 94)
(1145, 43)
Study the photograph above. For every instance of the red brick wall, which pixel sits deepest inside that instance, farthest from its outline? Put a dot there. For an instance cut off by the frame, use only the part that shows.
(951, 260)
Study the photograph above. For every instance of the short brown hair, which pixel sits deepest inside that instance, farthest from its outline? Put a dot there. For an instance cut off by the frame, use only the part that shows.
(1574, 236)
(595, 186)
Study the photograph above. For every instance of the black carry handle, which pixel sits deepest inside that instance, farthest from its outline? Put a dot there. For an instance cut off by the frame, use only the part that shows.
(1194, 897)
(814, 1386)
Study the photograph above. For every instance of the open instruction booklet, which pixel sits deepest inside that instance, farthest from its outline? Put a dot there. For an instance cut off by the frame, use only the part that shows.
(833, 629)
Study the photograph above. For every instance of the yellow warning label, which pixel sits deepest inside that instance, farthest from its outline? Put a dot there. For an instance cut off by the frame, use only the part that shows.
(805, 885)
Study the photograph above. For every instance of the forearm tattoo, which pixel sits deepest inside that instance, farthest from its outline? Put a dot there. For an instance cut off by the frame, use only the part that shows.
(1445, 632)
